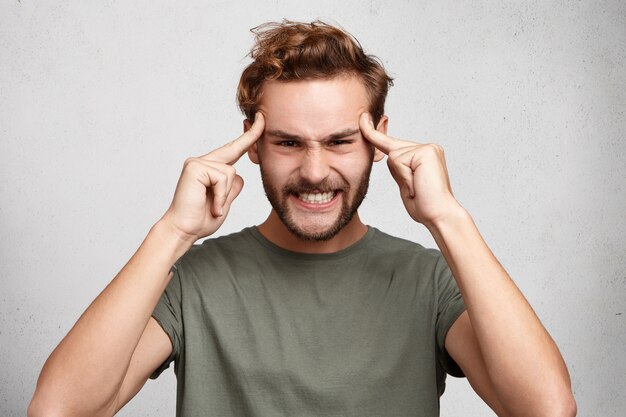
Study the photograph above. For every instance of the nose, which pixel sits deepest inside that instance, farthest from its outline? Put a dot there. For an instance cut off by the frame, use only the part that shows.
(314, 167)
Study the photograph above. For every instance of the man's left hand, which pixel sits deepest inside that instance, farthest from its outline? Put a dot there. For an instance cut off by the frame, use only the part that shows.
(420, 171)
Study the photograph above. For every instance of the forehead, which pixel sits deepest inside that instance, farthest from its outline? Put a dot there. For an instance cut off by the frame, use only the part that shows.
(313, 108)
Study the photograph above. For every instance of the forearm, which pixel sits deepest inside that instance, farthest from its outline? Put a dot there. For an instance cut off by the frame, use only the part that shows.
(521, 358)
(86, 370)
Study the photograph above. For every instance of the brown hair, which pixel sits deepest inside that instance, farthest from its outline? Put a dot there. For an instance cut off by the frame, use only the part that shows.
(290, 51)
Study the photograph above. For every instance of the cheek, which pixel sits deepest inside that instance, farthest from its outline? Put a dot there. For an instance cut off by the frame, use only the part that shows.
(352, 166)
(278, 165)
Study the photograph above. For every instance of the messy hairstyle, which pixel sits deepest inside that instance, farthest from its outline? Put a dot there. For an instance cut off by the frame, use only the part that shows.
(291, 51)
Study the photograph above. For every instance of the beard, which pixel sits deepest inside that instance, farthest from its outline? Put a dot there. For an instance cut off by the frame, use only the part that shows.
(278, 199)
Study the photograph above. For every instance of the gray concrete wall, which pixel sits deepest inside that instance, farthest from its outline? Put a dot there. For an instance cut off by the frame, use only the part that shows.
(100, 103)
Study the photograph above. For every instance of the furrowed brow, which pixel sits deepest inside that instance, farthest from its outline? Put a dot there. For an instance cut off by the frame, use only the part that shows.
(342, 134)
(283, 135)
(334, 136)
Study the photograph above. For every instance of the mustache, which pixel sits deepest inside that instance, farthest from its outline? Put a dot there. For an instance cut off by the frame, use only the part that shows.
(303, 186)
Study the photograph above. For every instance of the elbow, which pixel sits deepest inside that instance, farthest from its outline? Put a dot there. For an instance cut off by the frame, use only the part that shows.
(562, 405)
(554, 404)
(565, 403)
(558, 399)
(40, 406)
(568, 406)
(32, 410)
(49, 405)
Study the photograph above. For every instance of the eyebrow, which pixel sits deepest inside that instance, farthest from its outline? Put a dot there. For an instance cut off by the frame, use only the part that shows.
(334, 136)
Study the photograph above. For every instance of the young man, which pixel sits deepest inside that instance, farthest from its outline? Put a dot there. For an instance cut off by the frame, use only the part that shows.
(312, 312)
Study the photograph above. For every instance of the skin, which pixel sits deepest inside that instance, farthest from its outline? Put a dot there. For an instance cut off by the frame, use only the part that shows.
(317, 143)
(507, 355)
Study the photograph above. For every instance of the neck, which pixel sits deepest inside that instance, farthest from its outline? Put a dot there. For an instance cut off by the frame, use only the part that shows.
(275, 231)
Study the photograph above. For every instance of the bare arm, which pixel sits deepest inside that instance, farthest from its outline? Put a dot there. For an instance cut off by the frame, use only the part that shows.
(153, 349)
(500, 344)
(84, 373)
(101, 362)
(513, 352)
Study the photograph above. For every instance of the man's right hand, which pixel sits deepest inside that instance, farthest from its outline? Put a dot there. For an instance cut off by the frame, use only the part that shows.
(207, 187)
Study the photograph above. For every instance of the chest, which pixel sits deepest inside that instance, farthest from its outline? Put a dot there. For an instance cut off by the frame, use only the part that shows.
(313, 329)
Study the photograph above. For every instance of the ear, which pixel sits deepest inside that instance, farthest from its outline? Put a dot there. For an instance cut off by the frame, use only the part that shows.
(381, 127)
(253, 151)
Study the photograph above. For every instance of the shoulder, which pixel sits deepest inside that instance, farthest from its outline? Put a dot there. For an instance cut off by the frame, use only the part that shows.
(387, 245)
(222, 248)
(422, 271)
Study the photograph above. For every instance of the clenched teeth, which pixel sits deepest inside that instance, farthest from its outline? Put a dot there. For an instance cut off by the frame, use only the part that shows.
(316, 198)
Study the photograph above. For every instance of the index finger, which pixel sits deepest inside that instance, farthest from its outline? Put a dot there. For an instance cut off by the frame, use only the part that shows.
(231, 152)
(377, 138)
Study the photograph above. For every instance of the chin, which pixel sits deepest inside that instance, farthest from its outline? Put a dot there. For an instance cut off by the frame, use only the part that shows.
(316, 232)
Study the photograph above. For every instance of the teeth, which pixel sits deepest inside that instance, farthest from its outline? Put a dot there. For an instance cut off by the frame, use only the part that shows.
(316, 198)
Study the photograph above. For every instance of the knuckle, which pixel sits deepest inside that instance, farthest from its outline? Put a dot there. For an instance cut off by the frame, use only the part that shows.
(189, 161)
(223, 172)
(434, 148)
(192, 164)
(229, 170)
(219, 176)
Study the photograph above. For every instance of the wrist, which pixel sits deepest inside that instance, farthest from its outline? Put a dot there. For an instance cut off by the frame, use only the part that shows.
(453, 218)
(171, 238)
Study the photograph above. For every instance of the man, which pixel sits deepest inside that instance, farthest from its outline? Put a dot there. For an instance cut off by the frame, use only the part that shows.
(312, 312)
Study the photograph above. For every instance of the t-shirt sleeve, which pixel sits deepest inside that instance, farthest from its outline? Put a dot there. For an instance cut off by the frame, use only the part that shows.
(168, 314)
(450, 307)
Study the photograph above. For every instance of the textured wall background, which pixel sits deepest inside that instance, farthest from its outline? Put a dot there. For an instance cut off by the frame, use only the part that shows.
(100, 103)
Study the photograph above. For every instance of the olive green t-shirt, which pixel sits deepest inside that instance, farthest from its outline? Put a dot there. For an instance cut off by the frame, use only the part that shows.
(258, 330)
